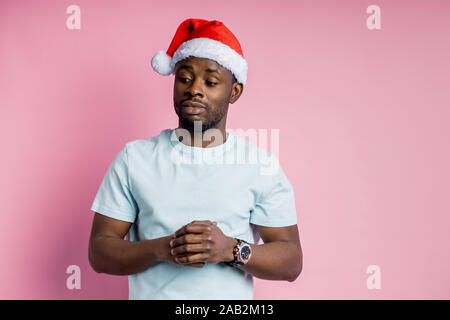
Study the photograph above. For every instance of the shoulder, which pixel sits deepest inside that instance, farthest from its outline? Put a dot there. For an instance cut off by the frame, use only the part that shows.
(265, 161)
(140, 146)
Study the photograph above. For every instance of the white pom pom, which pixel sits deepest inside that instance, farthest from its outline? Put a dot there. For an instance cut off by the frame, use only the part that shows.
(161, 63)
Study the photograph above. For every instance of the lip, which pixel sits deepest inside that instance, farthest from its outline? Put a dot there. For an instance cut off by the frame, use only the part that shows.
(192, 104)
(191, 107)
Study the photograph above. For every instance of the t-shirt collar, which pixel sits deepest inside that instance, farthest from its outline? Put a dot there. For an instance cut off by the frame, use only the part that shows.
(195, 151)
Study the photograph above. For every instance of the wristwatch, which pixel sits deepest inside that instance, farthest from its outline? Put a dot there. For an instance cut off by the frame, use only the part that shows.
(242, 253)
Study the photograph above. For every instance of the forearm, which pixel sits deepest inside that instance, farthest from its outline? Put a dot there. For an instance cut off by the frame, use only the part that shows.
(278, 260)
(116, 256)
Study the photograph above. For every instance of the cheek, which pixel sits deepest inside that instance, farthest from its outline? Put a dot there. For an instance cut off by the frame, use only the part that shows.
(219, 97)
(176, 89)
(178, 86)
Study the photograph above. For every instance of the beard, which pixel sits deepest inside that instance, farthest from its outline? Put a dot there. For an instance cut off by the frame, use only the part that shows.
(189, 123)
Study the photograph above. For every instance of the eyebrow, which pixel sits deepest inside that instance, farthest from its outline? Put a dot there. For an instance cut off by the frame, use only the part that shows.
(185, 66)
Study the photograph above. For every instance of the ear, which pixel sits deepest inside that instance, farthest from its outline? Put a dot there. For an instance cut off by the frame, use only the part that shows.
(236, 91)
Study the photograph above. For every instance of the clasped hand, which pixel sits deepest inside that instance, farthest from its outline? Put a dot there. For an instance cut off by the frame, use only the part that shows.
(199, 242)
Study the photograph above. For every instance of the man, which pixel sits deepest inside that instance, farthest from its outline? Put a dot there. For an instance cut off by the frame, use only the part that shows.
(193, 217)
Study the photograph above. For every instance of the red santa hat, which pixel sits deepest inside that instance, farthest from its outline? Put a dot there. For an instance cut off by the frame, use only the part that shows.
(203, 39)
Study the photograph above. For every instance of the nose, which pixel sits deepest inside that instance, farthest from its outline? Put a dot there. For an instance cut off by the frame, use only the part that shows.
(195, 88)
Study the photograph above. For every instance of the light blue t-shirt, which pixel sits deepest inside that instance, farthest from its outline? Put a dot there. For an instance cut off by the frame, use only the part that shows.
(160, 184)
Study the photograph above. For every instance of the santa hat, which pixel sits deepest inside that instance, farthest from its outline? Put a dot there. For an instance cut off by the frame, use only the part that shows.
(203, 39)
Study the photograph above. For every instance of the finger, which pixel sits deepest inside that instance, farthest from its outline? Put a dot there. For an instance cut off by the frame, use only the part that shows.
(190, 248)
(192, 228)
(202, 222)
(194, 265)
(199, 257)
(207, 222)
(179, 230)
(189, 238)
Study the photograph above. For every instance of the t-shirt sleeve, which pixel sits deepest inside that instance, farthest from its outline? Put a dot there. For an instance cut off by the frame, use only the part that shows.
(114, 197)
(275, 206)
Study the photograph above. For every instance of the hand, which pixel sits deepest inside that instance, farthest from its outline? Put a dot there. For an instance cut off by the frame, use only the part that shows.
(167, 257)
(201, 241)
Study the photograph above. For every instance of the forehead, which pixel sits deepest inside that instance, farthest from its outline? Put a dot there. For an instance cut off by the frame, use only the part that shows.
(200, 64)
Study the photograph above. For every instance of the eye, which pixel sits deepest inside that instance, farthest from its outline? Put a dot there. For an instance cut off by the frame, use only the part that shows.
(211, 83)
(183, 79)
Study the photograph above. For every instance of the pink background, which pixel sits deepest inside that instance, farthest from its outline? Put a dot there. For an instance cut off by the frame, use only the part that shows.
(363, 118)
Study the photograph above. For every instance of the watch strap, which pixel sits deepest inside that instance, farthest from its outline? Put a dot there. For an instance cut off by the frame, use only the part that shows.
(235, 262)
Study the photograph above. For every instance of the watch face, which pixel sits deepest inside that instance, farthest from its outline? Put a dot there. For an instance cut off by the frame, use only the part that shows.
(245, 252)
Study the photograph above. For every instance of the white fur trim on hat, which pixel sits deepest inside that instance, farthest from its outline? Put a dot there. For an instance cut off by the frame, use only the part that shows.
(202, 48)
(161, 63)
(214, 50)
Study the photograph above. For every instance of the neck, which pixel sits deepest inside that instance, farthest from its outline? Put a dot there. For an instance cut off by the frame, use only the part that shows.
(210, 138)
